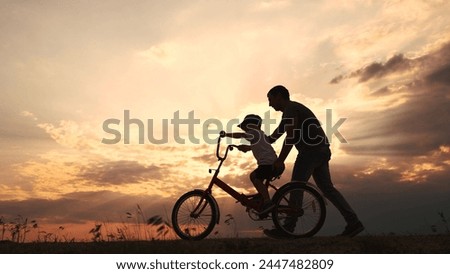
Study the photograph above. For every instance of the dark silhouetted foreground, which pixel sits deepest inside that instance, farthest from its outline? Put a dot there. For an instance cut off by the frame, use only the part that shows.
(317, 245)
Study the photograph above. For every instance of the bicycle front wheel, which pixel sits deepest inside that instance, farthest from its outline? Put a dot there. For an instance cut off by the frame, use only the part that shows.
(194, 215)
(299, 210)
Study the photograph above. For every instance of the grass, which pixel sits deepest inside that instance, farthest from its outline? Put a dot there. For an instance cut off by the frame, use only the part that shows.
(135, 227)
(413, 244)
(138, 234)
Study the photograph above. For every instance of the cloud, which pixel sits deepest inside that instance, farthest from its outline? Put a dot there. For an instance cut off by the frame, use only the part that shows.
(414, 169)
(155, 59)
(437, 62)
(29, 114)
(205, 158)
(395, 64)
(120, 173)
(81, 207)
(380, 189)
(68, 133)
(441, 76)
(165, 53)
(414, 107)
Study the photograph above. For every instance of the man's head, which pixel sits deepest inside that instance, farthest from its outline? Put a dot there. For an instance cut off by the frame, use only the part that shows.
(278, 96)
(251, 121)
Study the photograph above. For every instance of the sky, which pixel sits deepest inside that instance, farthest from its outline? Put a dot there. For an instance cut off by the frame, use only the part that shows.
(110, 105)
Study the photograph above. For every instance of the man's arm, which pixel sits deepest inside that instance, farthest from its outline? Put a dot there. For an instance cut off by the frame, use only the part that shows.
(288, 141)
(236, 135)
(277, 133)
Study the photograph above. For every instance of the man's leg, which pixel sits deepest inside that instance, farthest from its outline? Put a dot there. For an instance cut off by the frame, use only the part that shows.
(315, 163)
(303, 169)
(304, 166)
(322, 178)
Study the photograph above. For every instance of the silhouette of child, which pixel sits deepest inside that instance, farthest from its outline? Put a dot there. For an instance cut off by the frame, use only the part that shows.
(263, 152)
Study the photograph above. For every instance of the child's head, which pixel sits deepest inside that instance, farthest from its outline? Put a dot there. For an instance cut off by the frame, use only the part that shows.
(251, 121)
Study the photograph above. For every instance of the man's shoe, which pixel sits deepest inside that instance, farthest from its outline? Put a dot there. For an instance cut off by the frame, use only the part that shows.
(352, 230)
(290, 223)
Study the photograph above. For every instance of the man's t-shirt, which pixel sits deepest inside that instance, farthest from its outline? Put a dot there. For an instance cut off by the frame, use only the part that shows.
(308, 133)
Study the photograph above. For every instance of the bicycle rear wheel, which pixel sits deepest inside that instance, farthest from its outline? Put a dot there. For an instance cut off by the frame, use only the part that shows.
(299, 210)
(194, 215)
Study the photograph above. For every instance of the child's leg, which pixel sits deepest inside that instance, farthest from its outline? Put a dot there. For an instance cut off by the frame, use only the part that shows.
(259, 185)
(257, 177)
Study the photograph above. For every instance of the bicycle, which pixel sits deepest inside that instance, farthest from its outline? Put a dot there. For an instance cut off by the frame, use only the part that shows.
(299, 209)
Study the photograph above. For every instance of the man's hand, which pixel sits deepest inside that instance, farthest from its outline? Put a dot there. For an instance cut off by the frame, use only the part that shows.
(244, 148)
(278, 165)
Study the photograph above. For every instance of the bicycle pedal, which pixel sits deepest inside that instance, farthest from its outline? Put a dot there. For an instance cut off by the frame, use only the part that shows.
(257, 216)
(264, 216)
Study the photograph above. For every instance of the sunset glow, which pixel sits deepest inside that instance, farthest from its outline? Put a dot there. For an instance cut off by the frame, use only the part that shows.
(381, 68)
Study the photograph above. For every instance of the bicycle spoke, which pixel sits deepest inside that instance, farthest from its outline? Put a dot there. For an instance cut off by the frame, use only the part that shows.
(194, 215)
(300, 211)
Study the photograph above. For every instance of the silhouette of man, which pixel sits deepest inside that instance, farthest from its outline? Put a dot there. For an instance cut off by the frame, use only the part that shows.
(303, 130)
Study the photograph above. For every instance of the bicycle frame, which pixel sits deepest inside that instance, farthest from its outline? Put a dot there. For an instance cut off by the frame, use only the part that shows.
(215, 181)
(299, 209)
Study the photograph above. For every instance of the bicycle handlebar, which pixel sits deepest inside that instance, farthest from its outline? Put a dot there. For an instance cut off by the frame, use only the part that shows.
(229, 147)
